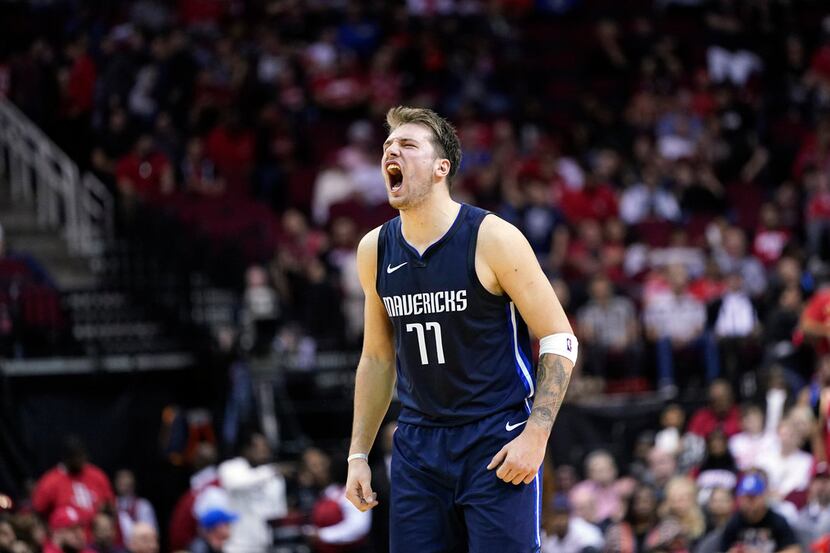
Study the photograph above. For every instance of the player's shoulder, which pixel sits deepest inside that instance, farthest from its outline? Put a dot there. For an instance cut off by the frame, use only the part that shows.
(368, 245)
(497, 234)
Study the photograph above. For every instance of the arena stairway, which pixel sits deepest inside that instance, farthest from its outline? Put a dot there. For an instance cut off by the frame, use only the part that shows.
(103, 319)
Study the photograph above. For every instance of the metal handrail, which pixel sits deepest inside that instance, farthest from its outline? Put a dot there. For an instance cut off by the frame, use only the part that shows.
(41, 174)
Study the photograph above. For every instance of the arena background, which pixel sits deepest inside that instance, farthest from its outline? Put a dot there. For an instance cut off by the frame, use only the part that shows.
(183, 184)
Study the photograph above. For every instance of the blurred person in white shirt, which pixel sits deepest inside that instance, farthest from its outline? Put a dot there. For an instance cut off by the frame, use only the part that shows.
(564, 532)
(257, 495)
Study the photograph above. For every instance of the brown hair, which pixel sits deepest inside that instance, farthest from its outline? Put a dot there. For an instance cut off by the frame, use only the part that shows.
(444, 138)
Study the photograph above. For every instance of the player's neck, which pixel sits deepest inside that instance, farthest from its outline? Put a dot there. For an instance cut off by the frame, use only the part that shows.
(425, 224)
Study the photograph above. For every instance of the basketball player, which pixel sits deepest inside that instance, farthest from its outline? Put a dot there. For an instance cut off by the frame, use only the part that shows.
(448, 288)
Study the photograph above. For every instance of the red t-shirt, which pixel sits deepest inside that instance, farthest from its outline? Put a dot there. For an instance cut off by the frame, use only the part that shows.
(818, 310)
(704, 421)
(144, 175)
(598, 203)
(233, 155)
(768, 245)
(818, 207)
(87, 491)
(81, 86)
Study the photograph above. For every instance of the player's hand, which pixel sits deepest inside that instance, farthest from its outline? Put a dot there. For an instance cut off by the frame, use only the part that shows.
(359, 485)
(518, 462)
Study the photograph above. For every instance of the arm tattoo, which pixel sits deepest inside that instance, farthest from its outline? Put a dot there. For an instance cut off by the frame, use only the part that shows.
(551, 384)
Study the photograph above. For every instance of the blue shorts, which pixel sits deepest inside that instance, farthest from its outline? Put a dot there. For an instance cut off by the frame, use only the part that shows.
(443, 498)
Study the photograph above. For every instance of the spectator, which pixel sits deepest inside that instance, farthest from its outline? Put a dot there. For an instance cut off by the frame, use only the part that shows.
(789, 468)
(755, 525)
(629, 535)
(719, 510)
(721, 412)
(131, 509)
(564, 533)
(198, 172)
(732, 257)
(145, 173)
(73, 483)
(257, 493)
(814, 320)
(143, 539)
(601, 480)
(814, 518)
(675, 322)
(718, 469)
(681, 505)
(608, 325)
(183, 524)
(735, 326)
(214, 529)
(543, 224)
(648, 200)
(662, 467)
(770, 238)
(104, 535)
(756, 440)
(66, 531)
(686, 446)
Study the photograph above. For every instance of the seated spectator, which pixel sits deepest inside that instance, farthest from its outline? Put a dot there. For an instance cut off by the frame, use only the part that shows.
(814, 321)
(732, 257)
(781, 323)
(131, 509)
(721, 412)
(770, 237)
(145, 173)
(756, 440)
(73, 483)
(719, 510)
(735, 326)
(104, 535)
(183, 523)
(675, 322)
(66, 531)
(257, 494)
(686, 446)
(662, 467)
(681, 505)
(231, 147)
(609, 327)
(718, 469)
(198, 172)
(601, 479)
(629, 535)
(215, 520)
(814, 518)
(817, 184)
(543, 224)
(647, 200)
(143, 539)
(595, 200)
(755, 525)
(564, 533)
(789, 468)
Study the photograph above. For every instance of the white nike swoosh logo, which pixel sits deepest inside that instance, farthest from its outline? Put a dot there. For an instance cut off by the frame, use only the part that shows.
(390, 269)
(511, 427)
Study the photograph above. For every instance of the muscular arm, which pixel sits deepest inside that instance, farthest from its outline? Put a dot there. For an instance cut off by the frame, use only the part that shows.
(505, 264)
(375, 376)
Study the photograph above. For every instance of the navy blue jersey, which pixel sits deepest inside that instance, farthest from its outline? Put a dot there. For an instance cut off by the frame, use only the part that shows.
(462, 352)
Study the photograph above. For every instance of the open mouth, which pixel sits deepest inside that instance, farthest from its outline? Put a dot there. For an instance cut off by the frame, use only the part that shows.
(395, 176)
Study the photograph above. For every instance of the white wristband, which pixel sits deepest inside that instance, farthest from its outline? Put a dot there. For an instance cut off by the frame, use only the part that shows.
(353, 456)
(561, 343)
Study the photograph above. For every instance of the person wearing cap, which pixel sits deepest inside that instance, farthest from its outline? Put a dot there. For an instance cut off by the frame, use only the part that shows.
(66, 532)
(214, 531)
(564, 533)
(814, 518)
(756, 528)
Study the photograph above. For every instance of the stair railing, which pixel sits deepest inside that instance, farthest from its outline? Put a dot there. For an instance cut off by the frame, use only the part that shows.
(81, 208)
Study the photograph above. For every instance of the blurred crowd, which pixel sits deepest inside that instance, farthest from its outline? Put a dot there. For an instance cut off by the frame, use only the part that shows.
(244, 504)
(669, 162)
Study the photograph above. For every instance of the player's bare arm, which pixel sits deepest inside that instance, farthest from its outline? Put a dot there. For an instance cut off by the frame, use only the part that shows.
(374, 380)
(506, 264)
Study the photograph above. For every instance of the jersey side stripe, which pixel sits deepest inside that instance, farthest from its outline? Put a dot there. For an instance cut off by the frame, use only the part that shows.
(520, 363)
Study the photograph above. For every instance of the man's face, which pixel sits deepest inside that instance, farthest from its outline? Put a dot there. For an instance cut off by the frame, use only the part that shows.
(103, 530)
(753, 507)
(410, 165)
(124, 483)
(72, 538)
(721, 503)
(258, 452)
(144, 539)
(720, 397)
(601, 470)
(218, 535)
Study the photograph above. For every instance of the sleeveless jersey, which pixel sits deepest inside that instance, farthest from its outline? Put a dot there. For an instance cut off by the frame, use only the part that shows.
(462, 352)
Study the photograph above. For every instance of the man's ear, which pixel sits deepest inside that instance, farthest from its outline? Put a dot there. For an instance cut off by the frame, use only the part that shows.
(443, 168)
